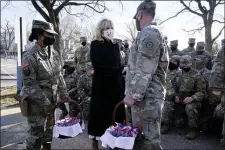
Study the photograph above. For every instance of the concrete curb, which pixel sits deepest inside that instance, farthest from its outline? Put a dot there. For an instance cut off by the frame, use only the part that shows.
(10, 106)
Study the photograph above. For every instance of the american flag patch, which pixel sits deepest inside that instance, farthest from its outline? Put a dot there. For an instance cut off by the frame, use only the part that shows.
(24, 64)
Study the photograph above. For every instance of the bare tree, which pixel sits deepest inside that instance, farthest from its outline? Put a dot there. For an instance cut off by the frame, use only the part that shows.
(132, 31)
(7, 3)
(50, 10)
(207, 15)
(7, 36)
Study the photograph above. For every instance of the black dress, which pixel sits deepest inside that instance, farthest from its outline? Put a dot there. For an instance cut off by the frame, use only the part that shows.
(106, 87)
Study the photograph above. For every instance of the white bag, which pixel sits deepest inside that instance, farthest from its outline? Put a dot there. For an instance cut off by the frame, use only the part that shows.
(120, 142)
(70, 131)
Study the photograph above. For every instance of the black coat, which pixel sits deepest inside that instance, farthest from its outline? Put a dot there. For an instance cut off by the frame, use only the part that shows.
(106, 87)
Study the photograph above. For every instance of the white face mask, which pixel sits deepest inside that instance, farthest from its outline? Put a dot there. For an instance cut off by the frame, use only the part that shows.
(109, 34)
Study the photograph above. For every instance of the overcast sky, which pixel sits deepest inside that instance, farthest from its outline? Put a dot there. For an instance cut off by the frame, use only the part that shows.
(164, 9)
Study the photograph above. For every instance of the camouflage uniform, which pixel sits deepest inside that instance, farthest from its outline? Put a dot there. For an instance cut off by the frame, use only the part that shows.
(189, 49)
(189, 84)
(126, 51)
(145, 81)
(217, 83)
(71, 78)
(202, 55)
(169, 104)
(174, 51)
(80, 57)
(84, 89)
(166, 43)
(42, 80)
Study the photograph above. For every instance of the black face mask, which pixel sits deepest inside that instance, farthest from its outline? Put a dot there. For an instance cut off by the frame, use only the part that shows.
(69, 70)
(173, 48)
(172, 66)
(199, 52)
(126, 46)
(48, 41)
(186, 69)
(83, 43)
(191, 44)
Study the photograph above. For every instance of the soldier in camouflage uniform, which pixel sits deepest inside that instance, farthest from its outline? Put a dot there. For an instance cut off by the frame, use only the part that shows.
(190, 89)
(169, 104)
(190, 48)
(202, 55)
(217, 84)
(146, 75)
(166, 43)
(84, 89)
(126, 51)
(81, 55)
(173, 48)
(70, 78)
(41, 82)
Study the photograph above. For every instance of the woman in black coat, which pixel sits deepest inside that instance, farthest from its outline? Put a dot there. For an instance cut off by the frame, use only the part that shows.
(107, 82)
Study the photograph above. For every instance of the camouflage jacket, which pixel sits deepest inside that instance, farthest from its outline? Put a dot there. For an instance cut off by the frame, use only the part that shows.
(190, 84)
(204, 58)
(126, 51)
(80, 57)
(42, 78)
(217, 80)
(188, 50)
(84, 86)
(71, 83)
(176, 52)
(147, 66)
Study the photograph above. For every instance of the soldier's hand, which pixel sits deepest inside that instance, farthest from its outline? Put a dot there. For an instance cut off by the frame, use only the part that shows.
(177, 99)
(188, 100)
(124, 70)
(217, 93)
(128, 101)
(218, 107)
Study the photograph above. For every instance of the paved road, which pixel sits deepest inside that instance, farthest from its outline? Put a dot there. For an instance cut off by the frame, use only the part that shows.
(13, 133)
(8, 72)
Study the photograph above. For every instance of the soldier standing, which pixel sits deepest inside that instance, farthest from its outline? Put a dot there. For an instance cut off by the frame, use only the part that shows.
(41, 82)
(169, 104)
(126, 51)
(166, 43)
(70, 78)
(189, 95)
(80, 56)
(217, 84)
(173, 48)
(84, 89)
(190, 48)
(145, 80)
(202, 55)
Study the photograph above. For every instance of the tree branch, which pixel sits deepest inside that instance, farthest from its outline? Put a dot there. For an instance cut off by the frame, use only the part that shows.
(174, 16)
(6, 5)
(41, 11)
(60, 7)
(194, 30)
(88, 5)
(53, 3)
(218, 21)
(189, 9)
(201, 8)
(213, 40)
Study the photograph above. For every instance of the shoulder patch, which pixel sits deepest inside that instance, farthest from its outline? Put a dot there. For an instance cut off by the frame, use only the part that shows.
(25, 65)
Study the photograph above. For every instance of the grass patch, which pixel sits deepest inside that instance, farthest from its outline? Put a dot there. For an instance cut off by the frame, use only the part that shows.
(7, 96)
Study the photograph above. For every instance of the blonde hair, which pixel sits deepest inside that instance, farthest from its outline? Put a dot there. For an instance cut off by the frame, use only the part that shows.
(104, 23)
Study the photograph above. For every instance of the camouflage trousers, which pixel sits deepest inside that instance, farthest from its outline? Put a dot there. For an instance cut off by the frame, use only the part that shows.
(151, 111)
(40, 131)
(192, 112)
(86, 109)
(128, 115)
(167, 112)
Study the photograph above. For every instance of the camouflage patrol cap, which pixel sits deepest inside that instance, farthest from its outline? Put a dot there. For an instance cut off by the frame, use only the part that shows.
(175, 58)
(46, 26)
(147, 4)
(191, 40)
(174, 42)
(200, 46)
(125, 41)
(83, 39)
(68, 63)
(185, 61)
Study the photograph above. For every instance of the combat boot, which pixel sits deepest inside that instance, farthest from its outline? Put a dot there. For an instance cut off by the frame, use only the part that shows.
(165, 129)
(46, 146)
(95, 144)
(192, 134)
